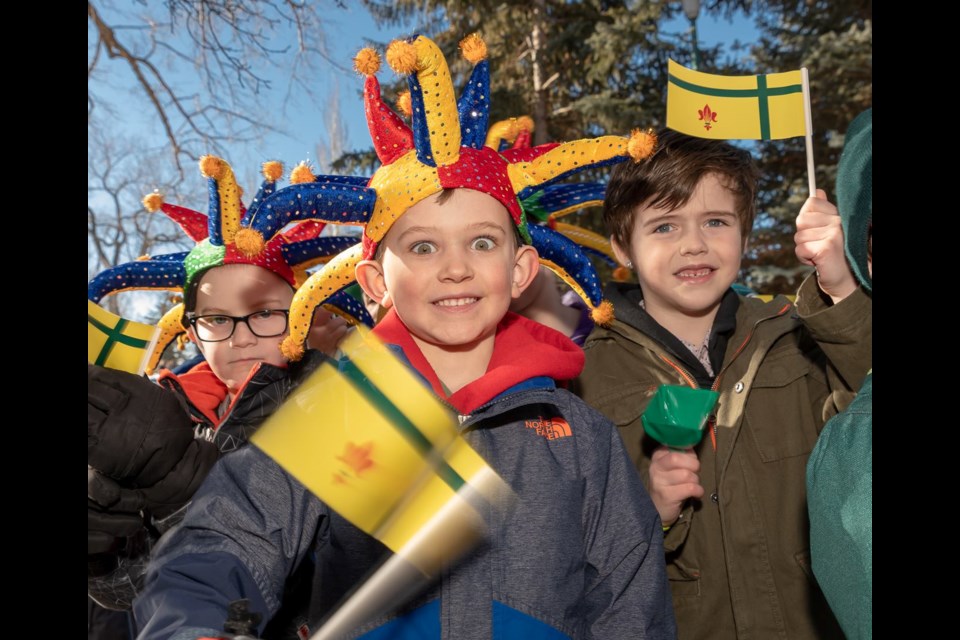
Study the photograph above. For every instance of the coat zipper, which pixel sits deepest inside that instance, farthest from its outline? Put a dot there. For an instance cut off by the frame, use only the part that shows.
(712, 419)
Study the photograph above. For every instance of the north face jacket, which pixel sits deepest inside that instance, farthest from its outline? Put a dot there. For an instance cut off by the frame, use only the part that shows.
(579, 554)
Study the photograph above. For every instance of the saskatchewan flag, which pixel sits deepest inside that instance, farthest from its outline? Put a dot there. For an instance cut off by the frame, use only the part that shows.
(116, 342)
(763, 107)
(376, 445)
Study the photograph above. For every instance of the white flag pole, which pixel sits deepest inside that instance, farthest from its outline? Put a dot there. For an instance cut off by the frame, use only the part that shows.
(808, 118)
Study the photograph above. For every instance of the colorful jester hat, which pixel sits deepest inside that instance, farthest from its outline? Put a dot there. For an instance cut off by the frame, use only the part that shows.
(444, 150)
(545, 206)
(288, 254)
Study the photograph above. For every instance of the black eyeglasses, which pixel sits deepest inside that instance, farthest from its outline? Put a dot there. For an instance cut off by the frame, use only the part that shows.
(267, 323)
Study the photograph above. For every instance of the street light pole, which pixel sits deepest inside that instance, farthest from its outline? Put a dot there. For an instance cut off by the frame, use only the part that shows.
(691, 8)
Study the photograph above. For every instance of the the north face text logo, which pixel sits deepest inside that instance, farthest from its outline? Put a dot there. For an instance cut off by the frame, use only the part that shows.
(550, 428)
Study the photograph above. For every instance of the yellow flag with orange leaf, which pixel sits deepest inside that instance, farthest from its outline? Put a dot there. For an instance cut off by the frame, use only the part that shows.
(376, 445)
(762, 107)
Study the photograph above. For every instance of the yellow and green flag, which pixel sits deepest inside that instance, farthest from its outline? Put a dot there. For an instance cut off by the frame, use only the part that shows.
(762, 107)
(375, 444)
(116, 342)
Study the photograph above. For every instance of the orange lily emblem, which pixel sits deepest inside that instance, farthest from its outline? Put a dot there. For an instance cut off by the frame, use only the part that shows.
(707, 116)
(357, 457)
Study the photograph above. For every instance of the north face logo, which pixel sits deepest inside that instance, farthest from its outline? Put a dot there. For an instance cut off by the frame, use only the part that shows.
(550, 428)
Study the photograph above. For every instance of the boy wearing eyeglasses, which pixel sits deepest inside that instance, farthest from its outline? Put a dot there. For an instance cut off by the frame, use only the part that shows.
(237, 316)
(150, 446)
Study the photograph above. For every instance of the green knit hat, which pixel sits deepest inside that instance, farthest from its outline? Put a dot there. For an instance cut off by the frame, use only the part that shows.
(855, 193)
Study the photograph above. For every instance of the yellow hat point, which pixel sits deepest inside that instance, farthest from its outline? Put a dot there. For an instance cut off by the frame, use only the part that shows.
(290, 349)
(249, 242)
(642, 144)
(473, 48)
(272, 170)
(402, 57)
(211, 167)
(145, 256)
(405, 103)
(153, 201)
(621, 274)
(367, 61)
(602, 314)
(301, 173)
(525, 123)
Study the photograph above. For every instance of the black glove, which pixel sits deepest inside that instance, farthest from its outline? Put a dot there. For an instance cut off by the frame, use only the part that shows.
(107, 529)
(136, 430)
(158, 500)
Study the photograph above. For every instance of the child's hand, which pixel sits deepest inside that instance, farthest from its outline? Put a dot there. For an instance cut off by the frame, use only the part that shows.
(673, 478)
(819, 243)
(327, 332)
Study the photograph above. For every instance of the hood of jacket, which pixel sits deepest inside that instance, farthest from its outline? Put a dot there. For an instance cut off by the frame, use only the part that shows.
(855, 194)
(523, 350)
(626, 298)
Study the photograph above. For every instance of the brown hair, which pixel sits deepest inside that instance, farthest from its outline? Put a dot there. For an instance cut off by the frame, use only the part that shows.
(669, 177)
(190, 298)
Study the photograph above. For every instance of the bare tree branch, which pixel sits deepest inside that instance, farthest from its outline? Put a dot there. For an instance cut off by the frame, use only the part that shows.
(116, 50)
(204, 69)
(234, 47)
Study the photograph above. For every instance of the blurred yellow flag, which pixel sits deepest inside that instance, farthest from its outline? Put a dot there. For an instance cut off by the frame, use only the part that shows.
(762, 107)
(116, 342)
(376, 445)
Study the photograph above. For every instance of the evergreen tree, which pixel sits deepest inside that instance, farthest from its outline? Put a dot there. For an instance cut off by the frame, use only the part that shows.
(600, 66)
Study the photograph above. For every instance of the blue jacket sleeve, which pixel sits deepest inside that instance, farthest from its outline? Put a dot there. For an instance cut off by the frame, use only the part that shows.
(629, 595)
(248, 527)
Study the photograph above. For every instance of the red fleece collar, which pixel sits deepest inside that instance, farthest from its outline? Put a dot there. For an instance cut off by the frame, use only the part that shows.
(522, 349)
(202, 387)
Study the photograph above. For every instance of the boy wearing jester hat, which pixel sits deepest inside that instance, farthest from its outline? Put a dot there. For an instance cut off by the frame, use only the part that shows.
(151, 446)
(445, 249)
(733, 506)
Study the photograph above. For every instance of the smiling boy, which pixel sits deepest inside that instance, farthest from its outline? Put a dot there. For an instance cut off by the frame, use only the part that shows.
(451, 279)
(445, 251)
(686, 258)
(734, 506)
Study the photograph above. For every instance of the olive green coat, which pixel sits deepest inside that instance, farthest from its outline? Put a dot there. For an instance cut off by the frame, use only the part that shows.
(738, 559)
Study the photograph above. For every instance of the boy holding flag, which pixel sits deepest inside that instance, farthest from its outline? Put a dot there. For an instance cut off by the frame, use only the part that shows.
(733, 507)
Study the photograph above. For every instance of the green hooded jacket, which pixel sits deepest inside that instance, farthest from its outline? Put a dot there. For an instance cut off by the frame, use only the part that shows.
(840, 471)
(738, 559)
